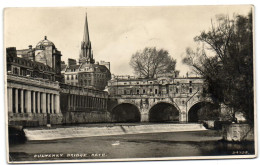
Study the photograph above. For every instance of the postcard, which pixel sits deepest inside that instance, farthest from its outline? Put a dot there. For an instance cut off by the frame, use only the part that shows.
(92, 84)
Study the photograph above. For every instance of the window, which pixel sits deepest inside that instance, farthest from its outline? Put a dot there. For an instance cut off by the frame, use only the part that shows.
(190, 90)
(190, 83)
(68, 77)
(151, 90)
(143, 91)
(137, 91)
(155, 91)
(151, 82)
(72, 77)
(76, 77)
(177, 90)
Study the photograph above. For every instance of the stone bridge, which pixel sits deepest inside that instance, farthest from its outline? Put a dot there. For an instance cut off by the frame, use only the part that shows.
(149, 108)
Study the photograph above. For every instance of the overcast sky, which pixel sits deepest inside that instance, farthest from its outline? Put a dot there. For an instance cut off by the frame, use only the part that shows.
(116, 33)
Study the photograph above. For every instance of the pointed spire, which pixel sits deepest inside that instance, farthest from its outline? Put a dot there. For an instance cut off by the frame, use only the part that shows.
(86, 54)
(86, 32)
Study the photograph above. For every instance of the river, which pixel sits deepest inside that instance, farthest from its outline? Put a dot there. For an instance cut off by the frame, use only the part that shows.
(150, 145)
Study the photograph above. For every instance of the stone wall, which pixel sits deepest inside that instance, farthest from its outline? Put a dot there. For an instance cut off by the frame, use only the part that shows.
(76, 117)
(33, 120)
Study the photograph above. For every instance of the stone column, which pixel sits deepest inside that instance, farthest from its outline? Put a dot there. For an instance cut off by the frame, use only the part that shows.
(16, 100)
(68, 100)
(39, 102)
(10, 99)
(28, 102)
(48, 102)
(73, 101)
(57, 103)
(43, 102)
(85, 101)
(76, 100)
(103, 103)
(92, 102)
(52, 103)
(81, 101)
(22, 102)
(34, 102)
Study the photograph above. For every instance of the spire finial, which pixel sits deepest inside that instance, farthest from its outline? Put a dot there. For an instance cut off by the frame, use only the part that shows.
(45, 37)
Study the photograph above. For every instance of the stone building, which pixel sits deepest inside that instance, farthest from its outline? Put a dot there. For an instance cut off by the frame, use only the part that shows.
(33, 91)
(87, 73)
(83, 105)
(45, 53)
(172, 86)
(36, 93)
(162, 99)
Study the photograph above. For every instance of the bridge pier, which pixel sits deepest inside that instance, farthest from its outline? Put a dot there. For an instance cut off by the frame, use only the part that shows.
(183, 114)
(144, 117)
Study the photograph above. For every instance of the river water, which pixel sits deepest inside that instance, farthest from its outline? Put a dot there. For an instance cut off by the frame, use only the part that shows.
(150, 145)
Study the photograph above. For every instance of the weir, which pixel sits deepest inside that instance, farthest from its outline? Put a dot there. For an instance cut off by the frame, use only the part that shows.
(90, 131)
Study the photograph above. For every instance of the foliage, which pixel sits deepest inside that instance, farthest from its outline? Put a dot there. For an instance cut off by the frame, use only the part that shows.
(225, 60)
(151, 62)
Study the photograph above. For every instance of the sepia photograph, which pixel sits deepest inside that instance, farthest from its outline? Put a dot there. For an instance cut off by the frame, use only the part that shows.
(94, 84)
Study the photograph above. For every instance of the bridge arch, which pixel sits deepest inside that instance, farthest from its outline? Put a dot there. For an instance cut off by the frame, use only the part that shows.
(203, 110)
(125, 112)
(164, 112)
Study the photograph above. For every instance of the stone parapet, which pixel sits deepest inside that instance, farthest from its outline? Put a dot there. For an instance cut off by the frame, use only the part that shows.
(33, 81)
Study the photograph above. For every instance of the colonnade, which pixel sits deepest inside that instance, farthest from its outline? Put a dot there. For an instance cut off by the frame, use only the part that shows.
(30, 101)
(81, 101)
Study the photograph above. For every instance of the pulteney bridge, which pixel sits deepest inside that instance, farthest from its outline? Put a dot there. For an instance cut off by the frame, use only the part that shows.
(159, 100)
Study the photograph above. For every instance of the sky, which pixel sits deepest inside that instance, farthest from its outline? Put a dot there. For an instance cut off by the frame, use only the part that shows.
(115, 32)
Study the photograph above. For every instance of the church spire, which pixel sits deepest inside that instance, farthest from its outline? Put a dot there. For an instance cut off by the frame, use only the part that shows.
(86, 54)
(86, 32)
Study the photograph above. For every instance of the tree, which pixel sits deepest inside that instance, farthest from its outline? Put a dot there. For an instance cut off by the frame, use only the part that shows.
(151, 62)
(225, 61)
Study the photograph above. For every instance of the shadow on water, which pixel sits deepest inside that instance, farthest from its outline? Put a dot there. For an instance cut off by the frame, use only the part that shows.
(16, 135)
